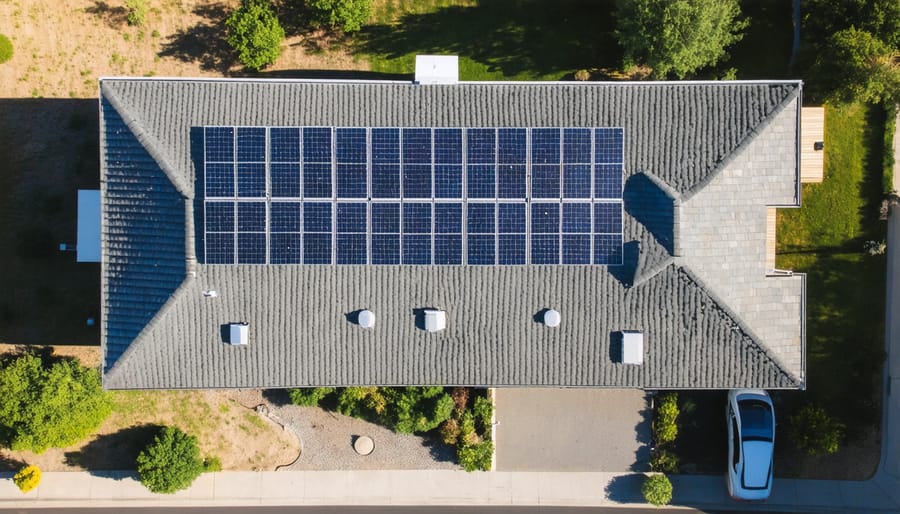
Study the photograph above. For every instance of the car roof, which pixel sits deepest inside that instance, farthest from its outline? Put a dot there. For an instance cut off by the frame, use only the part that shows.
(757, 464)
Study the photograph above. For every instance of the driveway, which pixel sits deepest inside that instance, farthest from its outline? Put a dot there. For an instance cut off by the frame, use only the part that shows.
(572, 429)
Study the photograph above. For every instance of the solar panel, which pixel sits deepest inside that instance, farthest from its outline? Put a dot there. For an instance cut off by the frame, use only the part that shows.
(449, 196)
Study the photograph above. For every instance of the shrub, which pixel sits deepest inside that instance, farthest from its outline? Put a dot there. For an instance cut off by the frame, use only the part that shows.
(309, 396)
(420, 409)
(665, 427)
(212, 464)
(475, 457)
(664, 461)
(27, 478)
(362, 402)
(171, 462)
(657, 489)
(814, 432)
(449, 431)
(484, 412)
(45, 404)
(582, 75)
(467, 434)
(137, 12)
(349, 15)
(460, 397)
(6, 49)
(254, 32)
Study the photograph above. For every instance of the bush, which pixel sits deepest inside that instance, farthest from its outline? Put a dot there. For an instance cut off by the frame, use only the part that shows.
(27, 478)
(664, 461)
(468, 436)
(349, 15)
(420, 409)
(6, 49)
(171, 462)
(362, 402)
(814, 432)
(449, 431)
(582, 75)
(309, 396)
(45, 404)
(254, 32)
(665, 426)
(212, 465)
(484, 413)
(476, 457)
(137, 12)
(657, 489)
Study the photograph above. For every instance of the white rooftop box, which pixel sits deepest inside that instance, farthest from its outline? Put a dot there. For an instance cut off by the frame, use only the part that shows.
(437, 69)
(632, 347)
(87, 248)
(239, 333)
(435, 320)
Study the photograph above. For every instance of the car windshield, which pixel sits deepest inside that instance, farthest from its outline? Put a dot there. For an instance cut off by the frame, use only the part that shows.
(756, 420)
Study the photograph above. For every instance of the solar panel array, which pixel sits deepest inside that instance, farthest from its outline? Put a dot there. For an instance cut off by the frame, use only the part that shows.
(451, 196)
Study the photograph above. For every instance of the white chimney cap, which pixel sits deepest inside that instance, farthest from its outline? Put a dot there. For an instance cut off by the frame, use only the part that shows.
(435, 320)
(552, 318)
(366, 318)
(632, 347)
(239, 333)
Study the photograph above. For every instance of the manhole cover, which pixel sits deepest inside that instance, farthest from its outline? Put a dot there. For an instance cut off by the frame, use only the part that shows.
(364, 445)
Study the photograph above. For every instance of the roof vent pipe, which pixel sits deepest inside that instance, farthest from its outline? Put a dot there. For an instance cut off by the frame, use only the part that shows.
(552, 318)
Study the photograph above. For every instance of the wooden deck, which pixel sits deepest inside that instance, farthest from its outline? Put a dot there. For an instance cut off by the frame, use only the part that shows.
(812, 129)
(770, 238)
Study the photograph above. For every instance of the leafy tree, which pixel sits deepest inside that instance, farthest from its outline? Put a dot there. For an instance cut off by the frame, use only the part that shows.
(349, 15)
(657, 489)
(822, 18)
(6, 49)
(814, 432)
(27, 478)
(856, 65)
(48, 406)
(677, 36)
(309, 396)
(254, 32)
(171, 462)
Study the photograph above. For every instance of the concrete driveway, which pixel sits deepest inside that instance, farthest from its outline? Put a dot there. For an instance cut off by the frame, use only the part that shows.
(572, 430)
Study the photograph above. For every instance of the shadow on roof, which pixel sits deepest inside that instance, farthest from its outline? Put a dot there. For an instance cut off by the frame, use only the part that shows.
(652, 207)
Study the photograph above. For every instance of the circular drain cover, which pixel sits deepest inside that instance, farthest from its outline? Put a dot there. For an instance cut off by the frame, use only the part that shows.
(364, 445)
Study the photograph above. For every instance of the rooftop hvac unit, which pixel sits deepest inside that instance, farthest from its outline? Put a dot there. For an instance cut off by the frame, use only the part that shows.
(435, 320)
(632, 347)
(239, 334)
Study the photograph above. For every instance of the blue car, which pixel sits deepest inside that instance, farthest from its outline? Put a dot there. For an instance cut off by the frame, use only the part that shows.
(751, 443)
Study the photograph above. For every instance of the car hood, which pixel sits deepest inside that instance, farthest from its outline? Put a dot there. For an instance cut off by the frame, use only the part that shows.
(757, 464)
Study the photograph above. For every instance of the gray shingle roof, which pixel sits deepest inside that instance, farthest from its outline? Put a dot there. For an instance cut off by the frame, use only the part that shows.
(702, 162)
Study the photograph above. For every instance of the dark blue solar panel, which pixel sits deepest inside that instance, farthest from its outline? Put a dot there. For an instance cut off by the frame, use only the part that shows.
(480, 146)
(251, 217)
(351, 249)
(284, 144)
(545, 181)
(385, 249)
(577, 181)
(608, 249)
(385, 181)
(545, 249)
(220, 216)
(317, 180)
(481, 181)
(511, 218)
(285, 180)
(481, 249)
(576, 217)
(351, 181)
(317, 248)
(512, 147)
(386, 217)
(351, 217)
(448, 146)
(317, 217)
(608, 181)
(576, 249)
(416, 180)
(350, 145)
(511, 249)
(511, 181)
(251, 179)
(386, 145)
(481, 218)
(416, 218)
(417, 249)
(219, 248)
(577, 146)
(251, 144)
(448, 218)
(608, 218)
(448, 249)
(544, 218)
(284, 248)
(448, 181)
(608, 145)
(251, 247)
(316, 144)
(219, 143)
(416, 145)
(284, 216)
(545, 146)
(219, 180)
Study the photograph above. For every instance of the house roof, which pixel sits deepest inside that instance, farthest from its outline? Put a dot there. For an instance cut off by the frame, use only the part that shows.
(702, 163)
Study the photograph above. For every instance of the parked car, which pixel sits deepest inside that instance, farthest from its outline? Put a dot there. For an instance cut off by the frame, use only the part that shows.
(751, 441)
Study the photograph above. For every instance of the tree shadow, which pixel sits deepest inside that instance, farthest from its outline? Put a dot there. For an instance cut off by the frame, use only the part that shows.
(328, 75)
(117, 451)
(115, 17)
(625, 489)
(643, 437)
(10, 464)
(872, 188)
(439, 451)
(204, 43)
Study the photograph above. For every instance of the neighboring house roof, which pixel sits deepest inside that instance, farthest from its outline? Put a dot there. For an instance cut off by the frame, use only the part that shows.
(702, 163)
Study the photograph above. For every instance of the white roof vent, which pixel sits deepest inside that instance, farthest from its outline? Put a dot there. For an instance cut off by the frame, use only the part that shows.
(435, 320)
(366, 318)
(552, 318)
(437, 69)
(632, 347)
(238, 333)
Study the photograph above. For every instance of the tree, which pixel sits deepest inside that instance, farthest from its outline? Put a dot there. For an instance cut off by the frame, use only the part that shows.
(254, 32)
(814, 432)
(45, 406)
(349, 15)
(677, 36)
(657, 489)
(171, 462)
(856, 65)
